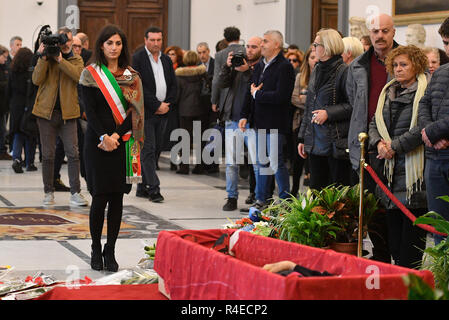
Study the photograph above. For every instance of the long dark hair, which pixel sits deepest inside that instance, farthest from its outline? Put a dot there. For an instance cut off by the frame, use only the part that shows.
(22, 60)
(107, 32)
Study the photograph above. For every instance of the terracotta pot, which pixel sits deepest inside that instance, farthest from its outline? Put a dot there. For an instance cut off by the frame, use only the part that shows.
(342, 247)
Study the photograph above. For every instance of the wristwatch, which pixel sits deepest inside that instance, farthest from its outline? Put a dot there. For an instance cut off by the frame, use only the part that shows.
(102, 137)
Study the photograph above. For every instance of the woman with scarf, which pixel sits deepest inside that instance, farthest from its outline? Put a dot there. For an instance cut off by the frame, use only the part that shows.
(395, 135)
(324, 128)
(113, 96)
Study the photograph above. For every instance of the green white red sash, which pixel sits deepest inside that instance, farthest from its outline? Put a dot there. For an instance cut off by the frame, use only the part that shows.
(114, 96)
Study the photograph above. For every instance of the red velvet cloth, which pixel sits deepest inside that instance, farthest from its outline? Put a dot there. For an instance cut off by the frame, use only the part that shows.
(193, 271)
(112, 292)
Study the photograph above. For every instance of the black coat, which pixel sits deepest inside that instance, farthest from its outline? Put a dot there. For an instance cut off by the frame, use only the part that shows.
(18, 91)
(434, 111)
(190, 80)
(270, 109)
(397, 114)
(141, 63)
(105, 171)
(327, 91)
(3, 88)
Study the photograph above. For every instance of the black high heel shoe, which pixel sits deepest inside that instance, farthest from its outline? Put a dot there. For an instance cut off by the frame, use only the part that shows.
(109, 259)
(96, 260)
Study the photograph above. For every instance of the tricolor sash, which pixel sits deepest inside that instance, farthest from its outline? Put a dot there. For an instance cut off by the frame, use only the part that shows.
(114, 96)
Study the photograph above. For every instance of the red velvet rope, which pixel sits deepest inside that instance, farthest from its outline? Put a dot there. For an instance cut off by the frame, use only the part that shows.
(399, 203)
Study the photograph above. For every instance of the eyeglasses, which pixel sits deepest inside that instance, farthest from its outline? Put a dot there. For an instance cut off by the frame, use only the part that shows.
(317, 44)
(293, 60)
(76, 46)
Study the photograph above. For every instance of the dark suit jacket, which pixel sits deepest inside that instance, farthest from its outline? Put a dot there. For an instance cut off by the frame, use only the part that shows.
(270, 109)
(141, 63)
(210, 72)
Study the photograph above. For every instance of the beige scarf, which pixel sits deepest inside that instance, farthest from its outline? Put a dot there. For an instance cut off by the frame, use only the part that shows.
(414, 160)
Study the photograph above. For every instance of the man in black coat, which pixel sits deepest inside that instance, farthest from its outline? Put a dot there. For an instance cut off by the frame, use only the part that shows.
(203, 51)
(434, 119)
(159, 88)
(268, 110)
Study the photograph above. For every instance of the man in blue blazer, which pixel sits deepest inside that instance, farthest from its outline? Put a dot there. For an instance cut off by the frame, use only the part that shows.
(159, 90)
(267, 110)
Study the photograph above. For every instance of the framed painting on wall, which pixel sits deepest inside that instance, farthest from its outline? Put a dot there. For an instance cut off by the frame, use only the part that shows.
(406, 12)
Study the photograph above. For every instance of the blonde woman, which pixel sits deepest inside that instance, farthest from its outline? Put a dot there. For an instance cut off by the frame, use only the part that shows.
(324, 129)
(299, 100)
(395, 135)
(353, 49)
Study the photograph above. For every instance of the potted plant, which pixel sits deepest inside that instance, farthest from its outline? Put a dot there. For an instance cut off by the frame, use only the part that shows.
(297, 221)
(342, 204)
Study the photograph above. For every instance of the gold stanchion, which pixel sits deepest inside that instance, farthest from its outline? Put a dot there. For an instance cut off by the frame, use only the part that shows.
(362, 138)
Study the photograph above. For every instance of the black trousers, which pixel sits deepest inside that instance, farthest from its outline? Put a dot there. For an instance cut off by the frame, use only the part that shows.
(326, 170)
(114, 217)
(406, 241)
(154, 129)
(377, 227)
(297, 164)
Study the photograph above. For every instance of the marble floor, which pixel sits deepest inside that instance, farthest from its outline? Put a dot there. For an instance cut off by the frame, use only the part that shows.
(191, 202)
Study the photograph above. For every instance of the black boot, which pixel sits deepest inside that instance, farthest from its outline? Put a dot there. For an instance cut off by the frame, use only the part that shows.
(96, 260)
(109, 259)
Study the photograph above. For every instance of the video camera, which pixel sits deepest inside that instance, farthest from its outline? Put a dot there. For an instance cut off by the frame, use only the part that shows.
(52, 42)
(238, 59)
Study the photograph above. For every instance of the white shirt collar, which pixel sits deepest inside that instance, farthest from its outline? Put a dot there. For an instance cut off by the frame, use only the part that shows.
(151, 55)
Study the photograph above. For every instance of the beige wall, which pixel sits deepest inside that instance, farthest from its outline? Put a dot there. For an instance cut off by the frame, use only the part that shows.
(24, 17)
(210, 17)
(363, 8)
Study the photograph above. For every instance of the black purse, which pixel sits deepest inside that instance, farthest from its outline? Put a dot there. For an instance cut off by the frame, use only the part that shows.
(340, 144)
(28, 123)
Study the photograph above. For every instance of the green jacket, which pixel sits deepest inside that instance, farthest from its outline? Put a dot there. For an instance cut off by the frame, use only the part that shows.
(50, 76)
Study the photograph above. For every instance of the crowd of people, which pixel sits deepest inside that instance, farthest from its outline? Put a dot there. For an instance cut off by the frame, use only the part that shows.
(110, 111)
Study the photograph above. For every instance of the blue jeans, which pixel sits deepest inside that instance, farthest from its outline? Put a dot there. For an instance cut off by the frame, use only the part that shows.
(20, 141)
(271, 160)
(234, 154)
(436, 176)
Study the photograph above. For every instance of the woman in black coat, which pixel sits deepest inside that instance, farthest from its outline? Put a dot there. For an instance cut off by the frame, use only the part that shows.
(190, 79)
(324, 129)
(395, 136)
(19, 88)
(111, 165)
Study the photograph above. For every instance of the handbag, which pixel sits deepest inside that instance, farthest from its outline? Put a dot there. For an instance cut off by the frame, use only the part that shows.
(340, 144)
(206, 86)
(28, 123)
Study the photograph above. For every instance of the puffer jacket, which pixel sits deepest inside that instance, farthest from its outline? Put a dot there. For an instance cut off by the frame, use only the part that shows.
(51, 76)
(190, 80)
(330, 95)
(434, 112)
(397, 114)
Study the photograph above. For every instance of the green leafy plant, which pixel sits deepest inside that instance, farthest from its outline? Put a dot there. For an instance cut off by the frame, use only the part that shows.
(342, 204)
(297, 222)
(436, 259)
(418, 289)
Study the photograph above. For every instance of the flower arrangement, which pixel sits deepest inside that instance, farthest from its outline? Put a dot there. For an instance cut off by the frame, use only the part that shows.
(316, 218)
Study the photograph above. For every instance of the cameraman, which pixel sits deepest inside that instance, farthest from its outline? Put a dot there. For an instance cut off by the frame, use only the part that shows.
(235, 75)
(56, 107)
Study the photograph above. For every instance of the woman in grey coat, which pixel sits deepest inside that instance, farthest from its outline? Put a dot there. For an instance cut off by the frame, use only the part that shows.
(395, 135)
